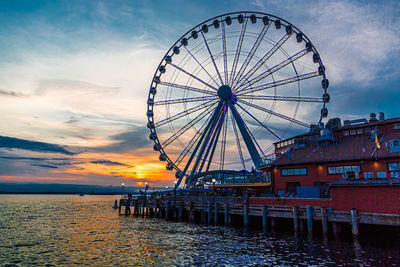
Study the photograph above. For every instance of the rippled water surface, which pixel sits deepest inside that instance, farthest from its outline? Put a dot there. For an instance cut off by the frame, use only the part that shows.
(68, 229)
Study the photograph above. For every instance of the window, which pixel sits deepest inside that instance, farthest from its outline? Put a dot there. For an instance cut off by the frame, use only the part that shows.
(396, 126)
(367, 130)
(395, 142)
(368, 175)
(345, 133)
(394, 166)
(353, 132)
(381, 175)
(294, 172)
(344, 169)
(360, 131)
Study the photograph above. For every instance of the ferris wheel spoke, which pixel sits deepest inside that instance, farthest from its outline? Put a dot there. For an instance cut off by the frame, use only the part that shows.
(238, 50)
(261, 62)
(278, 83)
(273, 69)
(191, 75)
(262, 124)
(224, 51)
(223, 141)
(283, 98)
(201, 65)
(184, 100)
(238, 141)
(190, 88)
(186, 127)
(251, 53)
(212, 57)
(275, 113)
(184, 113)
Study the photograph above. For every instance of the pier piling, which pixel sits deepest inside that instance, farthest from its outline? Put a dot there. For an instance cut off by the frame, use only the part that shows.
(226, 214)
(209, 212)
(191, 212)
(215, 213)
(180, 213)
(309, 220)
(167, 210)
(264, 217)
(246, 216)
(324, 216)
(295, 219)
(354, 222)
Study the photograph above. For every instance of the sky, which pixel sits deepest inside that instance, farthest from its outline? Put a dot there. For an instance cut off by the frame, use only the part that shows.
(75, 75)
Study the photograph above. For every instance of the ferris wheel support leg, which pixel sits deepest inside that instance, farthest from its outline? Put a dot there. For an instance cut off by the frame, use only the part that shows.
(211, 122)
(246, 136)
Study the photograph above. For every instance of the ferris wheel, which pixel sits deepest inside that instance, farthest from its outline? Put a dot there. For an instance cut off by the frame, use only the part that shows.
(228, 89)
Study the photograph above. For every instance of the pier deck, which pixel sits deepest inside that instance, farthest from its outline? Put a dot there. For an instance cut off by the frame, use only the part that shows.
(215, 209)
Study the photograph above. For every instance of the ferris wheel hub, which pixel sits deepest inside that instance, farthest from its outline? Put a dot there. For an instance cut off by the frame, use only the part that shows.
(224, 92)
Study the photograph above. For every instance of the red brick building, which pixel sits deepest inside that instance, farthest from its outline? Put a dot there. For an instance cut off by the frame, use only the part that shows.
(359, 152)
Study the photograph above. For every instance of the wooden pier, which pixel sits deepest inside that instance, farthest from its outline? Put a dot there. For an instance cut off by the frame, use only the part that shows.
(219, 210)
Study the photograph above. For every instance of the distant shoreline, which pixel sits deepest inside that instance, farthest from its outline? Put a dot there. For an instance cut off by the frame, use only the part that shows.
(54, 193)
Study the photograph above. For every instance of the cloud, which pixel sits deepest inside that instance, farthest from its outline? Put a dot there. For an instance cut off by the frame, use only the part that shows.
(127, 141)
(108, 162)
(10, 93)
(45, 166)
(17, 143)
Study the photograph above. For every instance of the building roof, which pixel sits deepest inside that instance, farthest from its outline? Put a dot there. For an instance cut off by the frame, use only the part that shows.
(348, 148)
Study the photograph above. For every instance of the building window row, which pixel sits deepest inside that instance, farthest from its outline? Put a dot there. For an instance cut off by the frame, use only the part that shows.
(396, 126)
(285, 143)
(344, 169)
(294, 172)
(366, 130)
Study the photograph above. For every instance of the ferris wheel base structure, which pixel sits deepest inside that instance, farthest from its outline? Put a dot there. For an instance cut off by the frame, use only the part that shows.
(232, 87)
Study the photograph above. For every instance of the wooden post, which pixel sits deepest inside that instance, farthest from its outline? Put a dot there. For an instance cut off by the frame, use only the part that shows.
(119, 208)
(336, 229)
(180, 213)
(309, 220)
(324, 221)
(144, 207)
(246, 216)
(127, 208)
(209, 212)
(215, 213)
(156, 209)
(136, 210)
(167, 210)
(226, 214)
(295, 220)
(264, 217)
(354, 222)
(273, 223)
(174, 208)
(191, 212)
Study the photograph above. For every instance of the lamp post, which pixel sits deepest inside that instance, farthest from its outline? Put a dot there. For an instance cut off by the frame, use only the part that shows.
(175, 182)
(213, 181)
(146, 187)
(122, 189)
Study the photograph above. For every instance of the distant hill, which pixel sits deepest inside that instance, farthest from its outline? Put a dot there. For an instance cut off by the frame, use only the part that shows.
(36, 188)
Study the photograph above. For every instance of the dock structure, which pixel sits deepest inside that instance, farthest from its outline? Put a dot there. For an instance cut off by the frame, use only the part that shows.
(208, 209)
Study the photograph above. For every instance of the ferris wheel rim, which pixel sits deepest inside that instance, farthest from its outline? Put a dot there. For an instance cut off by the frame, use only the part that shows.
(187, 35)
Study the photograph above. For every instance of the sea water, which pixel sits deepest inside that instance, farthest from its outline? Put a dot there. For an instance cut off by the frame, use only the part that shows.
(76, 230)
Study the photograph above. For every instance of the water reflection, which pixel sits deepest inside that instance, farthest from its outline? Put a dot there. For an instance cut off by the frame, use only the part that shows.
(86, 230)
